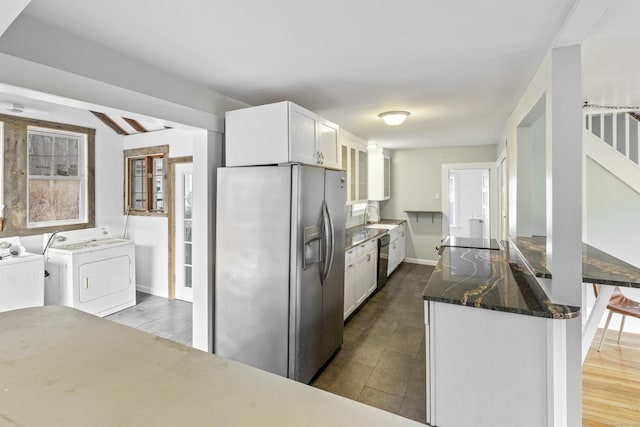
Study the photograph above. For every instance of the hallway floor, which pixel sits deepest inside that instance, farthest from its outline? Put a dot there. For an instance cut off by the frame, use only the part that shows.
(382, 360)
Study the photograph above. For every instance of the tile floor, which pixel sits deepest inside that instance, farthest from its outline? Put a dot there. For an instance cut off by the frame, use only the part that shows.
(382, 359)
(158, 316)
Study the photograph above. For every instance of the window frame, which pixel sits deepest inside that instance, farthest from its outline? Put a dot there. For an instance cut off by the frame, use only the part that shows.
(148, 154)
(81, 177)
(15, 173)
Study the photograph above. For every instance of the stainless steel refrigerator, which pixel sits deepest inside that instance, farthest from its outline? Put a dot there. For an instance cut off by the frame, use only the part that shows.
(279, 291)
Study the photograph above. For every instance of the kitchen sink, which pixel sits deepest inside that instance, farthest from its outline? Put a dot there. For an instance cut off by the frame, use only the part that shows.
(382, 226)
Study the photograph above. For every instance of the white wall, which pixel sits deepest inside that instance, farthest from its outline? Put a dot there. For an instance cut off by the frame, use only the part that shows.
(522, 195)
(531, 178)
(538, 178)
(613, 226)
(151, 233)
(415, 182)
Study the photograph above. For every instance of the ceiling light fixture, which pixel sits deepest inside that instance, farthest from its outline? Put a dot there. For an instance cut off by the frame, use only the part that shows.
(394, 118)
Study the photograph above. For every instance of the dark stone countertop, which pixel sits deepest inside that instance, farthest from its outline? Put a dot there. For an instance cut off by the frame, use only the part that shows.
(597, 266)
(471, 243)
(360, 234)
(392, 221)
(493, 280)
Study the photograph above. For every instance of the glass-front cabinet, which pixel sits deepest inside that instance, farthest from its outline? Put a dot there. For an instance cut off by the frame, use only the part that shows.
(362, 174)
(354, 160)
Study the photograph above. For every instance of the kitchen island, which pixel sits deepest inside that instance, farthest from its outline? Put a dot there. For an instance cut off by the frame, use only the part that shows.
(63, 367)
(494, 353)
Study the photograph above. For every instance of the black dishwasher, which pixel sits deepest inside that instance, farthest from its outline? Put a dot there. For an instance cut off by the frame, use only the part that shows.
(383, 259)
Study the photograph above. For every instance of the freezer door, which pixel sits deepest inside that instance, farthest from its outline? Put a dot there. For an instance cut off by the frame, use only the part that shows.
(306, 336)
(333, 287)
(252, 266)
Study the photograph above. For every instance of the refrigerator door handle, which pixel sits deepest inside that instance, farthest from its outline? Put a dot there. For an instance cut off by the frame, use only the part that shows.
(325, 242)
(329, 236)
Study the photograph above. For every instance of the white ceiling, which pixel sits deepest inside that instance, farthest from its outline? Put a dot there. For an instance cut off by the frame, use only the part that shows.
(458, 66)
(611, 57)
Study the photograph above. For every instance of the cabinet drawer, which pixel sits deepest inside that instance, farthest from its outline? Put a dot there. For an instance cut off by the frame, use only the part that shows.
(350, 257)
(394, 233)
(366, 247)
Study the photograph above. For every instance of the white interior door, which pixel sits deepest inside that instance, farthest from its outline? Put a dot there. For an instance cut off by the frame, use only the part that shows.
(468, 202)
(183, 186)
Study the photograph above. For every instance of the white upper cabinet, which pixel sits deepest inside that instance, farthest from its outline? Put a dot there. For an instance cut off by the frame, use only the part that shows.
(303, 135)
(379, 174)
(328, 146)
(279, 133)
(354, 159)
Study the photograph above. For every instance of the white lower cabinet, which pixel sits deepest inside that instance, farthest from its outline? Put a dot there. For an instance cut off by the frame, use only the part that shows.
(349, 282)
(360, 279)
(402, 242)
(396, 248)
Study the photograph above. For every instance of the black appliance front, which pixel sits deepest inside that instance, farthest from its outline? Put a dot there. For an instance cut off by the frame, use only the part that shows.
(383, 259)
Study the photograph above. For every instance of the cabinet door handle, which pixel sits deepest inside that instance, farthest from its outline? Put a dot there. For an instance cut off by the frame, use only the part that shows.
(368, 257)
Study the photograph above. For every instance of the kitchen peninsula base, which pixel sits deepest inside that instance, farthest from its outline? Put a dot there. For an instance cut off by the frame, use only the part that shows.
(490, 368)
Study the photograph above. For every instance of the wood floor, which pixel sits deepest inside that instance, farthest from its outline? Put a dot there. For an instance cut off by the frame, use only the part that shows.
(611, 382)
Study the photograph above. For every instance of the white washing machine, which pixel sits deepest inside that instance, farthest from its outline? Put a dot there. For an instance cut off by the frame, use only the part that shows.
(90, 270)
(21, 276)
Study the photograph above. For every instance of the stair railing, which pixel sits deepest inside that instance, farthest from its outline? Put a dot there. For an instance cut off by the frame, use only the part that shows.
(619, 130)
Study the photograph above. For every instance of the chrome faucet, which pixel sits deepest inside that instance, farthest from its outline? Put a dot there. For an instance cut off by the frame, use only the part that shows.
(364, 221)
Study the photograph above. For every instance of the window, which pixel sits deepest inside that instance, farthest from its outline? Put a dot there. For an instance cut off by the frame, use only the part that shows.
(56, 184)
(145, 177)
(48, 170)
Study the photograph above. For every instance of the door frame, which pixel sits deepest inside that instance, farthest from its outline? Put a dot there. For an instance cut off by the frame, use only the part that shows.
(171, 162)
(493, 201)
(502, 174)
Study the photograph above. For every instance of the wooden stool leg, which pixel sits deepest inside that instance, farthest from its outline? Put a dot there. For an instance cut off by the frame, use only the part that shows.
(606, 328)
(621, 326)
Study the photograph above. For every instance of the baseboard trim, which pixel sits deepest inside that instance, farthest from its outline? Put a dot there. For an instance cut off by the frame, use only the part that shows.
(420, 261)
(148, 290)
